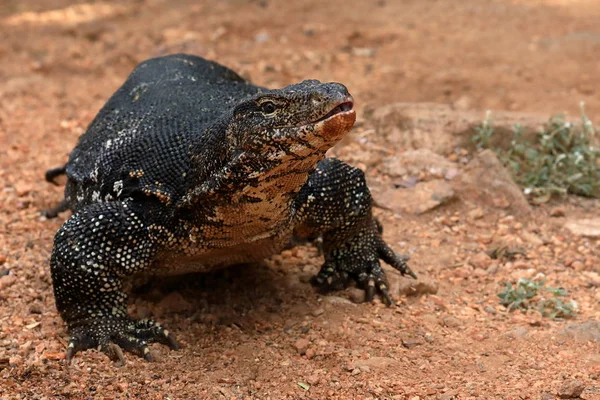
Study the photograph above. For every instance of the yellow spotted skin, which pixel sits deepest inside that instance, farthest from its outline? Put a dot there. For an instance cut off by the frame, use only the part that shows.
(190, 168)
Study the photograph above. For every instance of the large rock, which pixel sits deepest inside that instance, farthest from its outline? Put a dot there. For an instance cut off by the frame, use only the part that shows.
(589, 227)
(485, 180)
(423, 197)
(415, 162)
(442, 129)
(588, 331)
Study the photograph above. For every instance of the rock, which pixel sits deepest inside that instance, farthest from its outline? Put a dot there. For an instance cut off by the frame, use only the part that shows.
(2, 259)
(15, 361)
(301, 346)
(577, 265)
(357, 295)
(313, 380)
(463, 103)
(588, 331)
(448, 396)
(480, 260)
(486, 181)
(451, 322)
(336, 300)
(58, 355)
(584, 227)
(442, 129)
(414, 162)
(493, 268)
(175, 302)
(490, 310)
(518, 332)
(36, 308)
(532, 238)
(363, 51)
(571, 389)
(22, 189)
(7, 281)
(412, 287)
(317, 312)
(475, 214)
(261, 37)
(376, 362)
(424, 197)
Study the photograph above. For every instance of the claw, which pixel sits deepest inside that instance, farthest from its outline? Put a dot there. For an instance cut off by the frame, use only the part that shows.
(169, 340)
(147, 355)
(395, 260)
(370, 290)
(387, 299)
(410, 273)
(71, 350)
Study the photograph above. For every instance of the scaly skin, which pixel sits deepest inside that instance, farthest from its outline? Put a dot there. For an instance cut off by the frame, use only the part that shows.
(190, 168)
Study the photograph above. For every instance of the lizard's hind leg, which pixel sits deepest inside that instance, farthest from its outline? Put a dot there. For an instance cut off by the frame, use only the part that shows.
(94, 251)
(50, 176)
(54, 173)
(57, 209)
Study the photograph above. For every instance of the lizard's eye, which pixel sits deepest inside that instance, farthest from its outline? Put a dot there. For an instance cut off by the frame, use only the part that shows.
(268, 107)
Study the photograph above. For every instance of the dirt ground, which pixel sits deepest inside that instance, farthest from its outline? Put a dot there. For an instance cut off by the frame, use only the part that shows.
(261, 331)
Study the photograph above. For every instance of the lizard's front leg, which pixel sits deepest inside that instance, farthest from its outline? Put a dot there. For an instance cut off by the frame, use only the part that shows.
(94, 251)
(336, 204)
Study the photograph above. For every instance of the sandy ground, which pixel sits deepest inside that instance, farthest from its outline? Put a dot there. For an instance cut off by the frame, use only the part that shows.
(261, 331)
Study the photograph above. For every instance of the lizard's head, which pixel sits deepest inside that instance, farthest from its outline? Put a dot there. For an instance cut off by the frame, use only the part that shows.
(272, 142)
(300, 120)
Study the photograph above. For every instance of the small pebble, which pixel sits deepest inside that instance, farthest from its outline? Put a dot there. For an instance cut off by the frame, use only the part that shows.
(36, 308)
(476, 213)
(490, 310)
(357, 295)
(7, 281)
(313, 380)
(317, 312)
(310, 353)
(481, 260)
(301, 346)
(15, 361)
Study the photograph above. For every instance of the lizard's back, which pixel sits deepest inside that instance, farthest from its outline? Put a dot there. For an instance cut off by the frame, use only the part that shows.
(139, 141)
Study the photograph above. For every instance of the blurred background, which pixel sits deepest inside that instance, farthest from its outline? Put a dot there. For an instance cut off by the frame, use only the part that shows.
(526, 55)
(458, 211)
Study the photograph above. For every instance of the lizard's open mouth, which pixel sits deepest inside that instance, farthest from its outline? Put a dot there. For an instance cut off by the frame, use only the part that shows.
(340, 108)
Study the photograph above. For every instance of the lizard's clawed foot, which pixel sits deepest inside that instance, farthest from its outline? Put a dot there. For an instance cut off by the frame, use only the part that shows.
(112, 336)
(358, 260)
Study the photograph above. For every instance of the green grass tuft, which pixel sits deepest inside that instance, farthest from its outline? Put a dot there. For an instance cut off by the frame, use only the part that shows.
(527, 294)
(562, 158)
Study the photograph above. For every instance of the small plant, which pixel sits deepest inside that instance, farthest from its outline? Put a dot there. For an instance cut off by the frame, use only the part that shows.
(484, 132)
(561, 159)
(528, 294)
